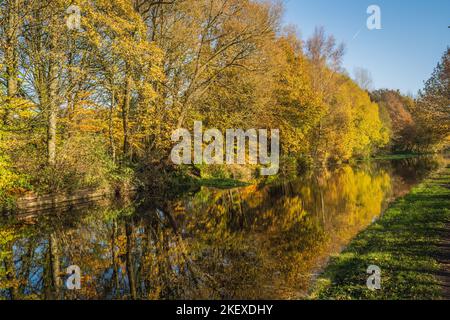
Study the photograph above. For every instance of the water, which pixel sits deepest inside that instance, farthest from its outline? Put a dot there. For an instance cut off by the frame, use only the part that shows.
(265, 242)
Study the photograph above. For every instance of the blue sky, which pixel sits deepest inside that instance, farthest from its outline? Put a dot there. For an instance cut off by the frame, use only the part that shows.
(401, 56)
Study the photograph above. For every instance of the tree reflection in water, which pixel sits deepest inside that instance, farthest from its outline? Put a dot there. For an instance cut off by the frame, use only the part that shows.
(247, 243)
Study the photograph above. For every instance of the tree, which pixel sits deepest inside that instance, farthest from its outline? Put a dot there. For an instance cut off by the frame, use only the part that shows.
(433, 107)
(363, 78)
(97, 105)
(397, 118)
(300, 109)
(350, 125)
(326, 58)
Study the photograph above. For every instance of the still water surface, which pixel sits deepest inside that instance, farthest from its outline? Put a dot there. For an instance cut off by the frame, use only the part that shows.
(257, 242)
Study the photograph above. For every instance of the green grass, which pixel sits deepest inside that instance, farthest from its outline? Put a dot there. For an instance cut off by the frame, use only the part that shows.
(403, 243)
(397, 156)
(220, 183)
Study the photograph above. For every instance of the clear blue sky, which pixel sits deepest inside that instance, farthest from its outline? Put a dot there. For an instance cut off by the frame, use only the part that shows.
(401, 56)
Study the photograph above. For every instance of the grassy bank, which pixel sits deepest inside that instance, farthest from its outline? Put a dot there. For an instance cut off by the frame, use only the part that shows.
(407, 243)
(220, 183)
(398, 156)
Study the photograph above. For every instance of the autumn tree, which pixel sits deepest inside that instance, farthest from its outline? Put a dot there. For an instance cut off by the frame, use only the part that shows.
(351, 124)
(299, 109)
(395, 110)
(433, 107)
(363, 78)
(95, 105)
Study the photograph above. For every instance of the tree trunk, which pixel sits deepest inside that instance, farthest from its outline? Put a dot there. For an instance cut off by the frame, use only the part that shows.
(11, 54)
(114, 261)
(130, 262)
(125, 115)
(55, 265)
(112, 146)
(52, 109)
(11, 273)
(51, 136)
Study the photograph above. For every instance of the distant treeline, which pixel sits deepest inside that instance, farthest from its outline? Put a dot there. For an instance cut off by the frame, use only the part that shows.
(422, 124)
(83, 106)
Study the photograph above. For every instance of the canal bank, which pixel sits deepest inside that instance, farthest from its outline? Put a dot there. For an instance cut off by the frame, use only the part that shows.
(410, 244)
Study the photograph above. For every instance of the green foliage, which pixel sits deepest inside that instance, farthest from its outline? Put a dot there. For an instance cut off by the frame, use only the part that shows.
(11, 184)
(432, 111)
(83, 164)
(220, 183)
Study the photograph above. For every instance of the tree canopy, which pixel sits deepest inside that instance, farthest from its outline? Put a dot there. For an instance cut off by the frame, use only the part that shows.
(88, 106)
